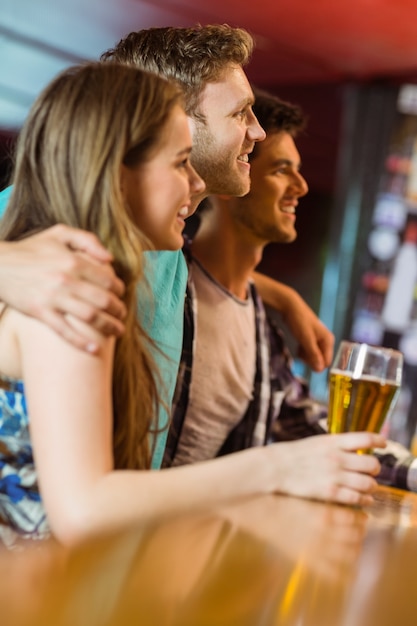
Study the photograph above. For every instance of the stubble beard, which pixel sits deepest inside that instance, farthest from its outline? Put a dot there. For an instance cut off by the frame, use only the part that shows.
(219, 171)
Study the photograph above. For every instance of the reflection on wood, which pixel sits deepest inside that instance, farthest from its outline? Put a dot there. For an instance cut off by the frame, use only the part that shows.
(271, 560)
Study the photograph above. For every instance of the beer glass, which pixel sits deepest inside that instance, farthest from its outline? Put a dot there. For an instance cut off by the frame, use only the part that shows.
(364, 385)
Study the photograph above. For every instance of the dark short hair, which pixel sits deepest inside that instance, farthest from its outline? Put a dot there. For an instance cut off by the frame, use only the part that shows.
(276, 115)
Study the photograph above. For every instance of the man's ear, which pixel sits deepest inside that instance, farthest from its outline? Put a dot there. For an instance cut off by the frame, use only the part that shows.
(224, 197)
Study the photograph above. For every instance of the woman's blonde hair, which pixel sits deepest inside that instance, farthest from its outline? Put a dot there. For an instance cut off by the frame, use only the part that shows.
(83, 126)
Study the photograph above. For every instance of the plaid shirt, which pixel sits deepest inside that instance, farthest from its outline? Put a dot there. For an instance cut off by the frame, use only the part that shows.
(281, 408)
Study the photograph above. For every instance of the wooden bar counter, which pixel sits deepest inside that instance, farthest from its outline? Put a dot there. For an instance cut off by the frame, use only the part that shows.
(267, 561)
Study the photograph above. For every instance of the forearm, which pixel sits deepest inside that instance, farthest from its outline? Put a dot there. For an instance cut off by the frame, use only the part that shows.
(126, 498)
(325, 467)
(316, 342)
(276, 294)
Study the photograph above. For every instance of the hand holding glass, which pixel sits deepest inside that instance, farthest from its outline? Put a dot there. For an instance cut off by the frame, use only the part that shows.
(364, 384)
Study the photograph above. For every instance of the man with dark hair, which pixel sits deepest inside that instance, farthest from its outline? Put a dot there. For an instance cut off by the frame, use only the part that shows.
(235, 389)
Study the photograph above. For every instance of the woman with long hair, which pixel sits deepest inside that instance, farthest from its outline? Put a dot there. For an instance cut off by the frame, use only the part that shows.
(106, 149)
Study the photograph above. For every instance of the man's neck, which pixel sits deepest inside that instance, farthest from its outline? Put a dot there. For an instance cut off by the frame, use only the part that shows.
(225, 252)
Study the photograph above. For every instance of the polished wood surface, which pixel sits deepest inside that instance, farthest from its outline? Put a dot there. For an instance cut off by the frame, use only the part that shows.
(268, 561)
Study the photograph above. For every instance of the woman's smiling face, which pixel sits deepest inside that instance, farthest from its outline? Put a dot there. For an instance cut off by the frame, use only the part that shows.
(159, 190)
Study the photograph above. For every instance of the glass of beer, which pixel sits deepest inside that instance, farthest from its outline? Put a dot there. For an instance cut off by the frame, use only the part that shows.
(364, 385)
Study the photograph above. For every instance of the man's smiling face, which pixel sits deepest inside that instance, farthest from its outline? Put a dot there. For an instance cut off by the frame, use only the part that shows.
(222, 142)
(269, 209)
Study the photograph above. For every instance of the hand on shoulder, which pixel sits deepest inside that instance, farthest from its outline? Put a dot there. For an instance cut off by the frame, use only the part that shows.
(63, 272)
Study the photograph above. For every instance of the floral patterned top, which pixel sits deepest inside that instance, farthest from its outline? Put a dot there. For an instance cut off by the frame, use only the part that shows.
(22, 514)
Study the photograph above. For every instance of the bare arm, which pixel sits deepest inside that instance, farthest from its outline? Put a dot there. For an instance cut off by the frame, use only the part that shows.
(63, 271)
(315, 339)
(73, 454)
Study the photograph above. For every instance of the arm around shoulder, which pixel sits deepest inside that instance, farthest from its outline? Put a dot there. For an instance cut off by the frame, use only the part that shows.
(63, 271)
(315, 339)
